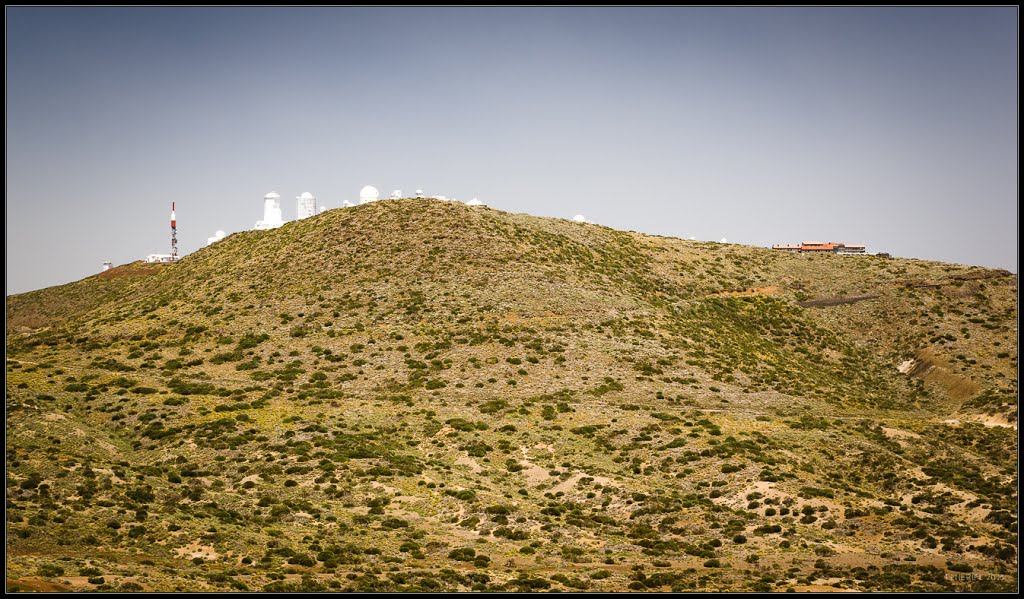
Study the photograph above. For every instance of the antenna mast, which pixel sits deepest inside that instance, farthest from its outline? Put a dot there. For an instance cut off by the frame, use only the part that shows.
(174, 235)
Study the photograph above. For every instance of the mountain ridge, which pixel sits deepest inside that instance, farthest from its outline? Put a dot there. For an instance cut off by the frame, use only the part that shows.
(370, 354)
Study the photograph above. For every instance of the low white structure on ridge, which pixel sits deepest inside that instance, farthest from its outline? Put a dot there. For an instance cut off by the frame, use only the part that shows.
(579, 218)
(271, 213)
(216, 237)
(396, 194)
(474, 202)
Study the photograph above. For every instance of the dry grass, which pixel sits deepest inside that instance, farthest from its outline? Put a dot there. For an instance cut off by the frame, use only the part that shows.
(416, 396)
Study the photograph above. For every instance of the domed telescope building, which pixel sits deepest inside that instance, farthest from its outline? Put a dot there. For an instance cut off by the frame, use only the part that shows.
(368, 194)
(305, 205)
(271, 213)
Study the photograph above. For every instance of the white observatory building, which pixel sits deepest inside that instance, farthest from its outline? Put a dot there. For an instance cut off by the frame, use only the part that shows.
(216, 237)
(396, 194)
(271, 213)
(474, 202)
(579, 218)
(305, 206)
(368, 194)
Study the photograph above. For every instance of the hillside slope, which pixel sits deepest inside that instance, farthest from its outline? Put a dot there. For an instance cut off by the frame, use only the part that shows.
(417, 394)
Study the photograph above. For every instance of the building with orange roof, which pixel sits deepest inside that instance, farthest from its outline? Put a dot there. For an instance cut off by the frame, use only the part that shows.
(819, 247)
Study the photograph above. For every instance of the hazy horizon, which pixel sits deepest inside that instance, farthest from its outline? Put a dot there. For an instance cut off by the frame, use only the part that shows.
(893, 127)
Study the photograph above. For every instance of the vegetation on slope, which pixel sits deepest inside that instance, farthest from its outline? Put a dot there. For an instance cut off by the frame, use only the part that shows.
(420, 395)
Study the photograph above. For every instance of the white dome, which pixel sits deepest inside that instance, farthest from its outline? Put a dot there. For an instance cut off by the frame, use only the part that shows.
(219, 234)
(369, 192)
(474, 202)
(306, 196)
(724, 240)
(579, 218)
(271, 196)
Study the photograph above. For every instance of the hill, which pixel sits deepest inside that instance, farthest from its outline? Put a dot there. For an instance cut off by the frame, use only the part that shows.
(418, 394)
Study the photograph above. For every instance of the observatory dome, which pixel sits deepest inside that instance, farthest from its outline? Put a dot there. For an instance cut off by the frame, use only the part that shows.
(216, 237)
(272, 196)
(474, 202)
(306, 196)
(579, 218)
(368, 194)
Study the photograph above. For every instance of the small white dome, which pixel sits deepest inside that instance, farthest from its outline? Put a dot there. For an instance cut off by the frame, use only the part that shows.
(724, 240)
(306, 196)
(219, 234)
(347, 204)
(474, 202)
(271, 196)
(579, 218)
(369, 192)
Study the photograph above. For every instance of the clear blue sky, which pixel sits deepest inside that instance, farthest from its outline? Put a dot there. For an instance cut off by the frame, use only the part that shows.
(891, 127)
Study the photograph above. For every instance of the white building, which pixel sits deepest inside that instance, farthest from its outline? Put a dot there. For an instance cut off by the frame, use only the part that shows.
(474, 202)
(396, 194)
(368, 194)
(579, 218)
(152, 258)
(852, 249)
(216, 237)
(305, 206)
(271, 213)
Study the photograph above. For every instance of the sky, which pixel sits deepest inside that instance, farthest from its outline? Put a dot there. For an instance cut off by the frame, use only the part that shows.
(892, 127)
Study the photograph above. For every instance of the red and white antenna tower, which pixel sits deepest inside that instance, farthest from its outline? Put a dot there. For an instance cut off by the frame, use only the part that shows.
(174, 235)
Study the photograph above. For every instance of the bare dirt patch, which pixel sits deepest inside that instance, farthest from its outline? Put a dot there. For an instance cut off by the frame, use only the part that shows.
(470, 463)
(34, 584)
(895, 433)
(196, 549)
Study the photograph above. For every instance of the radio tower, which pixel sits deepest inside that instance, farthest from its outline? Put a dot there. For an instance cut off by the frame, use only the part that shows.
(174, 236)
